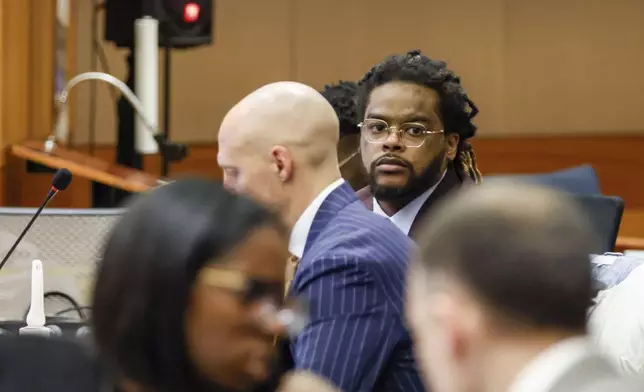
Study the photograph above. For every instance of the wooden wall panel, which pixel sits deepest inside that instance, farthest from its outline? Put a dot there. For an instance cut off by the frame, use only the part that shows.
(570, 64)
(16, 66)
(470, 37)
(617, 160)
(41, 80)
(29, 189)
(533, 67)
(26, 76)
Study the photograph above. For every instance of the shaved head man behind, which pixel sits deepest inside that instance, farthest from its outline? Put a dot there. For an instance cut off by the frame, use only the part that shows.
(263, 137)
(498, 298)
(279, 146)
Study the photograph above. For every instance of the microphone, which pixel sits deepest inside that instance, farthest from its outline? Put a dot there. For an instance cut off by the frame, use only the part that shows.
(36, 316)
(60, 182)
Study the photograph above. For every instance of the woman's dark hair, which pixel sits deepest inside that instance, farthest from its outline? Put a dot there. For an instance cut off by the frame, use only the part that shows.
(148, 267)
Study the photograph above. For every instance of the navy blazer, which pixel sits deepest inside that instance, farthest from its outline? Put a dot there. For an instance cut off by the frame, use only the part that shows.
(353, 273)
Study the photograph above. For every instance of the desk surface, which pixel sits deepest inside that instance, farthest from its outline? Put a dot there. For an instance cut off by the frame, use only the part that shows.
(86, 166)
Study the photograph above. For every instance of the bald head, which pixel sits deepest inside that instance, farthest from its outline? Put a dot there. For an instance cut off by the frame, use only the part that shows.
(284, 113)
(281, 137)
(523, 249)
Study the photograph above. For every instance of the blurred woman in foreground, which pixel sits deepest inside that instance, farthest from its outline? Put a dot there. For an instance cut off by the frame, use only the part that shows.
(189, 285)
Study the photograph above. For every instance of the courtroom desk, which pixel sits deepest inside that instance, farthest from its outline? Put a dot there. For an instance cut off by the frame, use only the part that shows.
(631, 231)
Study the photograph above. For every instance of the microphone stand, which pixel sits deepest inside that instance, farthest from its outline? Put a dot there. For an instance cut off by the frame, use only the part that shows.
(169, 151)
(60, 127)
(50, 196)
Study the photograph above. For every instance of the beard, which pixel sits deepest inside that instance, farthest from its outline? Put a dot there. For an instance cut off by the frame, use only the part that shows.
(417, 183)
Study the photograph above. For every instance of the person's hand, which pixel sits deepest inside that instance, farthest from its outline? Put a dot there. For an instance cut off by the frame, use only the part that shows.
(303, 381)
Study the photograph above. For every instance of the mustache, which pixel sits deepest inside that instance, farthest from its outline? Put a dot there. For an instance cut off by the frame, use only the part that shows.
(391, 160)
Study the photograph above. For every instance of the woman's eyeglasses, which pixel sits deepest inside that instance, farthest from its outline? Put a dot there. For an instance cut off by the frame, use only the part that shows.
(291, 315)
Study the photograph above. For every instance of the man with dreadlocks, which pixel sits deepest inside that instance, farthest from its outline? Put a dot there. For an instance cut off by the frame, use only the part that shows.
(343, 96)
(415, 123)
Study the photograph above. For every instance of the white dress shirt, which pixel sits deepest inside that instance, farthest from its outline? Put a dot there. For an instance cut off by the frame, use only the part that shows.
(301, 229)
(404, 218)
(617, 323)
(541, 374)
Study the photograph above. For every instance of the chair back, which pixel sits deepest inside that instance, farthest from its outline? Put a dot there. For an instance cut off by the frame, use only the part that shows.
(605, 212)
(579, 180)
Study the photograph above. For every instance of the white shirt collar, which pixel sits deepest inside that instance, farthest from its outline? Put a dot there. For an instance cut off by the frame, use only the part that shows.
(541, 374)
(404, 218)
(301, 229)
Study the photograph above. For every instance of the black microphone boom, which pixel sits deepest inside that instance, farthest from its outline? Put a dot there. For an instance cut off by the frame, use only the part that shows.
(60, 182)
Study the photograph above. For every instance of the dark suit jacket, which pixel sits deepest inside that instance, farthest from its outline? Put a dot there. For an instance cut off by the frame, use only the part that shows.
(450, 182)
(353, 273)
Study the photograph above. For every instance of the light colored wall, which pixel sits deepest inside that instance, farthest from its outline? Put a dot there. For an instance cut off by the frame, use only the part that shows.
(533, 67)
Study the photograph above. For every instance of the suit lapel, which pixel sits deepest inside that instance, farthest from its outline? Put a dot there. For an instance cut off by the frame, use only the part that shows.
(336, 201)
(448, 184)
(366, 196)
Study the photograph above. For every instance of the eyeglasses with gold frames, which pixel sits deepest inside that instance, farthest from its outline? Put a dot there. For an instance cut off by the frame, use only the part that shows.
(410, 134)
(291, 315)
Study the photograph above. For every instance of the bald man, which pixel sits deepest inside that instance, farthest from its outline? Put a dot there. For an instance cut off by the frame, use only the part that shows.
(278, 145)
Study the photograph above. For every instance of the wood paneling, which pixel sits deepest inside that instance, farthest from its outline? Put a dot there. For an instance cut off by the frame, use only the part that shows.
(26, 76)
(83, 165)
(41, 79)
(533, 67)
(617, 160)
(28, 189)
(15, 77)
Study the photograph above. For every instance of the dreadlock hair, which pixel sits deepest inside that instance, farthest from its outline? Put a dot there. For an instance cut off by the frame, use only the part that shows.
(456, 109)
(343, 96)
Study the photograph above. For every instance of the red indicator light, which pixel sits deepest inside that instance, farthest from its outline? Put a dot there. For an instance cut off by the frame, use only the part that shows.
(191, 12)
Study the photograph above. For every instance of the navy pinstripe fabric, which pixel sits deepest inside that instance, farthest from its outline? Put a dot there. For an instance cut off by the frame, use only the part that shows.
(353, 272)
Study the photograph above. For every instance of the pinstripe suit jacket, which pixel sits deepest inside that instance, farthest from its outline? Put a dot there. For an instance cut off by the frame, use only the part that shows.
(352, 271)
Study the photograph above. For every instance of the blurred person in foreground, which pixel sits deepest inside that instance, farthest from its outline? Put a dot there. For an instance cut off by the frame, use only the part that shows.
(617, 321)
(279, 145)
(48, 364)
(343, 96)
(499, 294)
(416, 121)
(186, 291)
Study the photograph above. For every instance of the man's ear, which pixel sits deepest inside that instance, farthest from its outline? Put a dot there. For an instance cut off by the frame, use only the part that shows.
(451, 140)
(447, 313)
(467, 325)
(282, 162)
